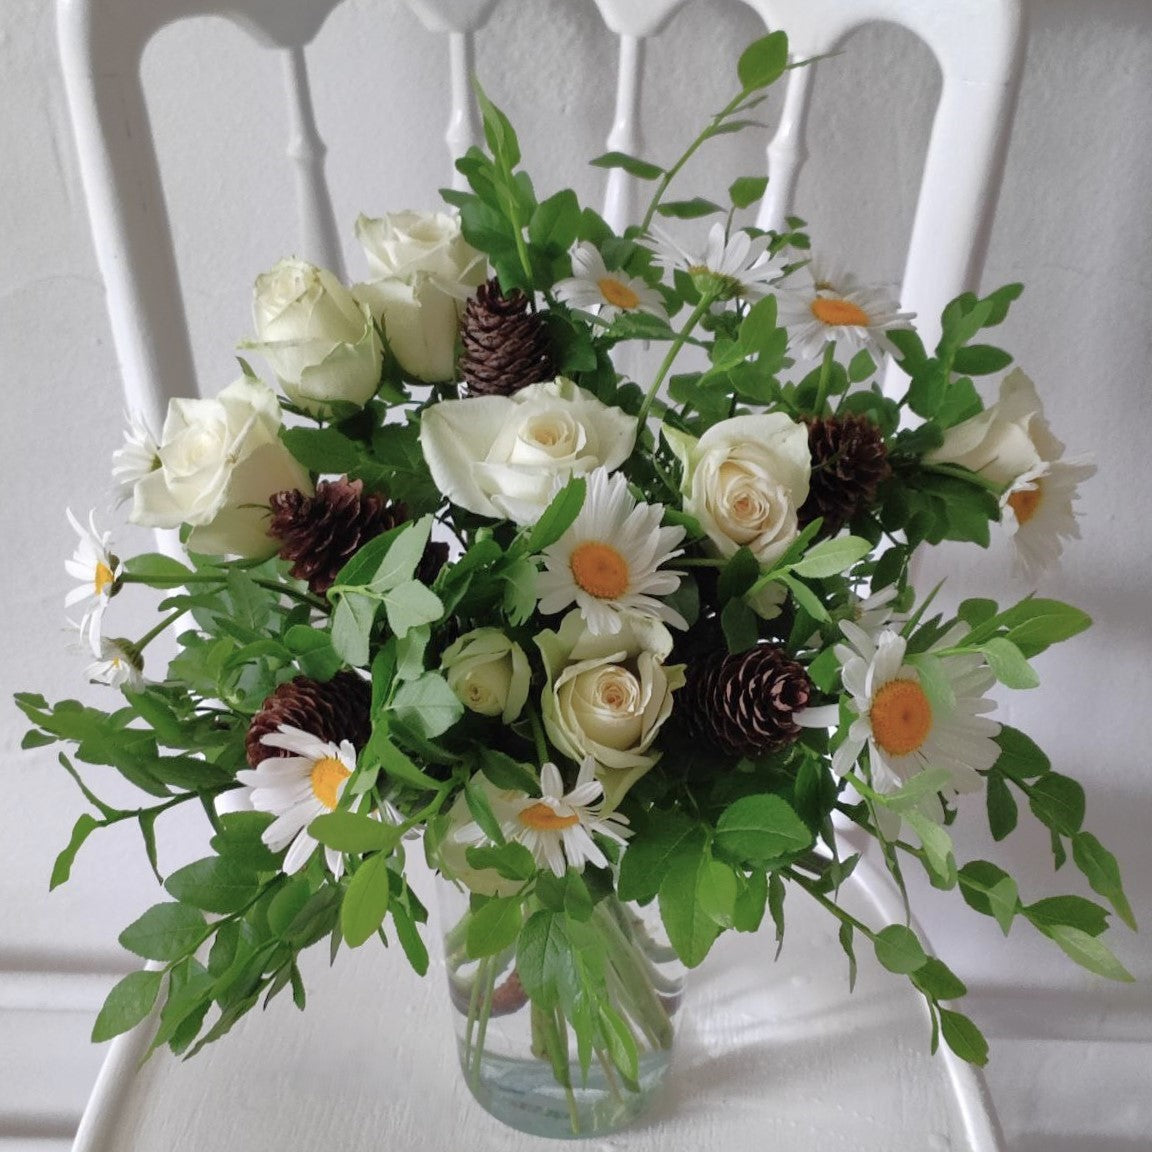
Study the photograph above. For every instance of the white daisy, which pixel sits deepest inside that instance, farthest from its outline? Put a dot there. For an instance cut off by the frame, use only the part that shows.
(297, 789)
(97, 570)
(557, 828)
(594, 288)
(1036, 508)
(118, 664)
(729, 266)
(817, 308)
(874, 613)
(607, 562)
(904, 731)
(136, 458)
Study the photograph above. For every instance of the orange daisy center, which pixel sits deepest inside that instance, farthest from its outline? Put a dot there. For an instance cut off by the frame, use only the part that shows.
(901, 717)
(541, 817)
(600, 570)
(1024, 503)
(327, 775)
(103, 577)
(617, 294)
(839, 313)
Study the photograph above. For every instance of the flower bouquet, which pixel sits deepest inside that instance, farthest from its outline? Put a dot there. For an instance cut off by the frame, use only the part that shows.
(636, 652)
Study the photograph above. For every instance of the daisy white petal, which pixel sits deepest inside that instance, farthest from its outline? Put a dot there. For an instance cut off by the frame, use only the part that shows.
(608, 561)
(818, 308)
(730, 267)
(594, 288)
(118, 664)
(98, 571)
(1037, 509)
(136, 458)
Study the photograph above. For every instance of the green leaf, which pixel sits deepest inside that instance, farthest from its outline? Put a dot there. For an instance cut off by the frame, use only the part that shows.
(127, 1005)
(493, 927)
(831, 557)
(85, 825)
(1008, 664)
(1035, 624)
(751, 903)
(746, 190)
(691, 930)
(990, 891)
(557, 518)
(314, 652)
(641, 169)
(164, 932)
(239, 839)
(963, 1037)
(498, 131)
(740, 625)
(899, 950)
(1002, 811)
(351, 627)
(689, 209)
(366, 901)
(845, 937)
(1058, 801)
(649, 854)
(1073, 911)
(804, 597)
(763, 61)
(544, 958)
(156, 569)
(507, 773)
(481, 808)
(761, 827)
(937, 845)
(411, 605)
(213, 884)
(776, 893)
(1021, 757)
(1103, 873)
(716, 891)
(394, 761)
(353, 832)
(938, 980)
(428, 704)
(555, 222)
(1087, 951)
(980, 360)
(519, 589)
(513, 861)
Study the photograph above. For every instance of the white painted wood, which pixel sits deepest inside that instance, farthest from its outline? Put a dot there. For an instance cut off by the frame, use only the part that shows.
(463, 121)
(778, 1056)
(620, 188)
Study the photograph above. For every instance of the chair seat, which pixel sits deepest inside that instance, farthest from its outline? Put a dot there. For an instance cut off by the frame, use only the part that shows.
(777, 1056)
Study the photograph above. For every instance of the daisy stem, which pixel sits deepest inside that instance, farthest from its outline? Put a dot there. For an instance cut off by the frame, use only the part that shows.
(538, 736)
(151, 635)
(959, 473)
(222, 578)
(486, 980)
(822, 383)
(830, 905)
(699, 562)
(673, 352)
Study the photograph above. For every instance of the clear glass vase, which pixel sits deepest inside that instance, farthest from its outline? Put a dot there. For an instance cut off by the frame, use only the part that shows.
(527, 1061)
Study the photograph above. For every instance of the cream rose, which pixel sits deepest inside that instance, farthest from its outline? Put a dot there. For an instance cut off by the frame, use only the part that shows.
(1004, 441)
(321, 343)
(744, 481)
(608, 696)
(424, 271)
(220, 461)
(503, 456)
(488, 672)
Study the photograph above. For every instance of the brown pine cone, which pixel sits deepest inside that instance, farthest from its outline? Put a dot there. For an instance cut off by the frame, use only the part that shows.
(505, 346)
(320, 534)
(335, 710)
(849, 462)
(746, 701)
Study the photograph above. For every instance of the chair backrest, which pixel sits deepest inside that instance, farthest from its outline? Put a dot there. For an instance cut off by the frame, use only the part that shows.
(977, 44)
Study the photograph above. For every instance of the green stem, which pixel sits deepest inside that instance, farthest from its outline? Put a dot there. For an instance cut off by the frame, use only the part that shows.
(699, 562)
(151, 635)
(538, 736)
(830, 905)
(635, 980)
(825, 372)
(486, 980)
(958, 473)
(674, 351)
(212, 578)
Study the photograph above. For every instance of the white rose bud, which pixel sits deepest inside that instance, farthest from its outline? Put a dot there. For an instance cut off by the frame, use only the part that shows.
(220, 462)
(425, 270)
(744, 481)
(320, 342)
(503, 456)
(608, 696)
(488, 672)
(1005, 440)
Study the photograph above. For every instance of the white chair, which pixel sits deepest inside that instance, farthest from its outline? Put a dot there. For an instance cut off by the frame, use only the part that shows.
(977, 44)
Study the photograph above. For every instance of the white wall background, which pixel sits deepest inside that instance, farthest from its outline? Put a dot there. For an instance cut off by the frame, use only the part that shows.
(1071, 1055)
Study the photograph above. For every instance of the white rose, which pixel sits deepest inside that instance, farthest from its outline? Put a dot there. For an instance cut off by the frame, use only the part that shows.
(424, 271)
(220, 461)
(321, 343)
(488, 672)
(608, 696)
(1004, 441)
(503, 456)
(744, 481)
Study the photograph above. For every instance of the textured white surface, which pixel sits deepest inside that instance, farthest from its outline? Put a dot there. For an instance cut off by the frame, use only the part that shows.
(1070, 1053)
(769, 1055)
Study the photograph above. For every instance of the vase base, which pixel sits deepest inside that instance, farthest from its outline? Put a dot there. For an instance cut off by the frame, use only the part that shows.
(525, 1095)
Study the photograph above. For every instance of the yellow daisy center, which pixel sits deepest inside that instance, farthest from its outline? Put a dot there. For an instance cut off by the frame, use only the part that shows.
(1025, 502)
(617, 294)
(600, 570)
(328, 774)
(839, 313)
(102, 578)
(901, 717)
(541, 817)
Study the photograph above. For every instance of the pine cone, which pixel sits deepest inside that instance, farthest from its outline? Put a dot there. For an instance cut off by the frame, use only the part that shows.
(849, 462)
(320, 533)
(505, 346)
(339, 709)
(746, 701)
